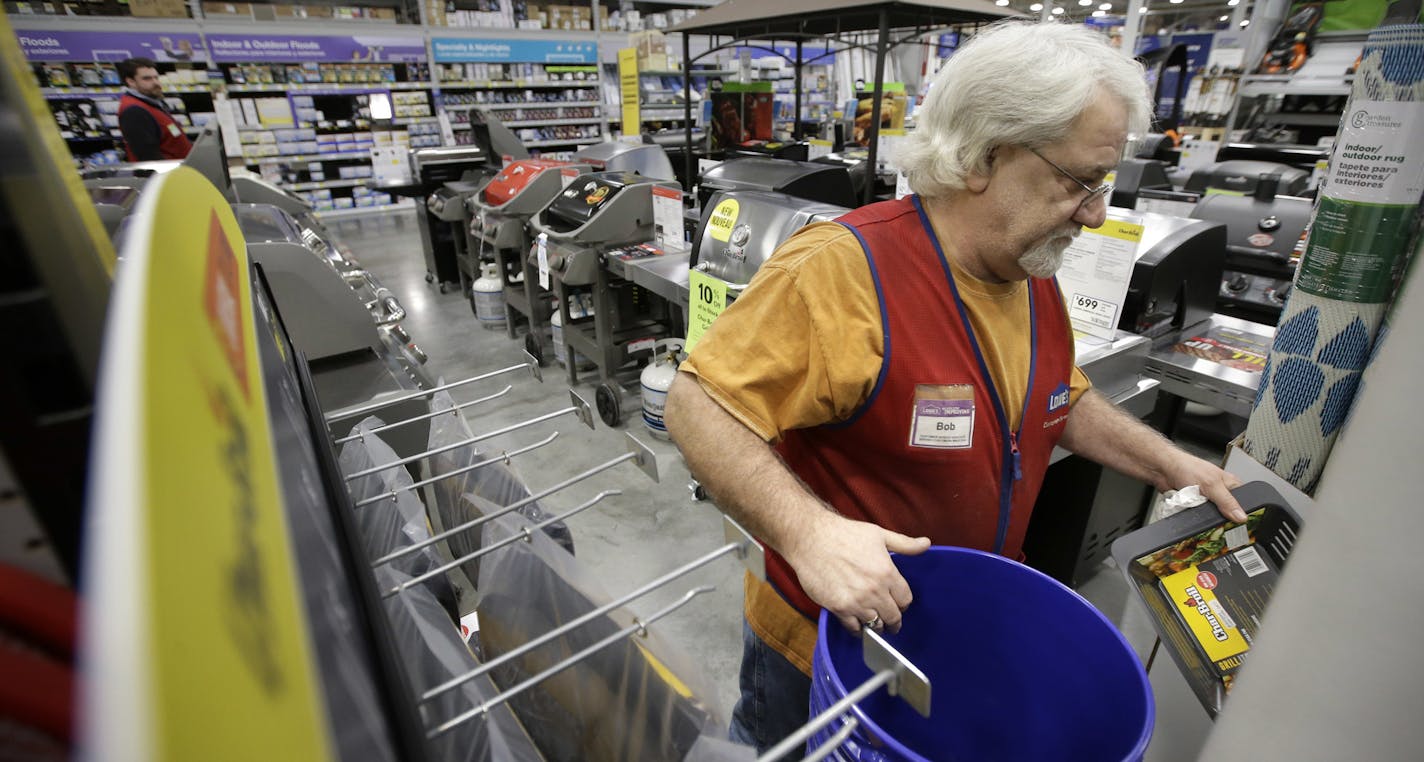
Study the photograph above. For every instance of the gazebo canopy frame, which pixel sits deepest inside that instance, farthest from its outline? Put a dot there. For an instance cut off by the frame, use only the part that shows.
(750, 21)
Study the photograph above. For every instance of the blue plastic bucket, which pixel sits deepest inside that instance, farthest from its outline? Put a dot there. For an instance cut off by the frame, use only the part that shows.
(1020, 668)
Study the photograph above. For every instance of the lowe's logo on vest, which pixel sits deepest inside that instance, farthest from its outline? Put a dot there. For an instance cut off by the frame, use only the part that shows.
(1058, 399)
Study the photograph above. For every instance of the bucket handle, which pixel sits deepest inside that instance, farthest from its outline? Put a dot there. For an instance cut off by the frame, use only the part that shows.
(892, 669)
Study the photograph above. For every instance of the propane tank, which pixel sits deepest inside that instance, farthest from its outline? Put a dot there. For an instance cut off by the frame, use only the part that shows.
(488, 296)
(655, 382)
(580, 306)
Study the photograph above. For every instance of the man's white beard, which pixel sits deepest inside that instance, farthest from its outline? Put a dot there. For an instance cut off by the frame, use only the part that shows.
(1044, 259)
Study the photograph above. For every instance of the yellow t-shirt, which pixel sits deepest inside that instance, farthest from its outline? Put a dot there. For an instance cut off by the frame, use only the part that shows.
(803, 346)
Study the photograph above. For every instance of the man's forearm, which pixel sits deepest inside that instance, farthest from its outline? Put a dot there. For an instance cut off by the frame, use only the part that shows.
(1101, 432)
(741, 472)
(842, 565)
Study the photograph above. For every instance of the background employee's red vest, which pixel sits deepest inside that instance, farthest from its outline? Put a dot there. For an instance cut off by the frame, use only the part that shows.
(866, 467)
(173, 143)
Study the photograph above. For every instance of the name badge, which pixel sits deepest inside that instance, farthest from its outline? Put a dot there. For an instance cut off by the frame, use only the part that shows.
(943, 416)
(174, 130)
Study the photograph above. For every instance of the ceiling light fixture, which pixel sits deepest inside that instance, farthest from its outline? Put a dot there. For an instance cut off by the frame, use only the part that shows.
(1058, 11)
(1232, 3)
(1001, 3)
(1105, 7)
(1245, 22)
(1036, 7)
(1100, 14)
(1223, 18)
(1085, 2)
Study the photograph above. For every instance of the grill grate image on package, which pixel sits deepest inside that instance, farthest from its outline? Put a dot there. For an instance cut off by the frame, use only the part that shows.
(1206, 582)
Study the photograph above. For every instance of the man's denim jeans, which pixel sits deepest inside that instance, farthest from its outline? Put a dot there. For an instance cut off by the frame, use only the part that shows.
(776, 697)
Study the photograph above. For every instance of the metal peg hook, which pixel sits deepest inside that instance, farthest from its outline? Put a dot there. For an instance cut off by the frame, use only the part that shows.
(891, 668)
(581, 621)
(453, 410)
(525, 535)
(504, 458)
(834, 742)
(581, 411)
(637, 626)
(468, 525)
(341, 415)
(749, 551)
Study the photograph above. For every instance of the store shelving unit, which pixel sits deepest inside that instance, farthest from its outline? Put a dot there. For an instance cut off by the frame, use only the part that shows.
(1307, 104)
(547, 105)
(660, 94)
(555, 122)
(87, 114)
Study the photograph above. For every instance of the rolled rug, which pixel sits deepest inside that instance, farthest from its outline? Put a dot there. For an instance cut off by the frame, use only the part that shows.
(1357, 247)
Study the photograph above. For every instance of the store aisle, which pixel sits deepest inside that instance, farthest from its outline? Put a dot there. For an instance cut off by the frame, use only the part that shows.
(625, 540)
(651, 528)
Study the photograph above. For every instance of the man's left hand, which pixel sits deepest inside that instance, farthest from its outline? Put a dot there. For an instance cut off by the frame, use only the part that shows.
(1100, 431)
(1216, 484)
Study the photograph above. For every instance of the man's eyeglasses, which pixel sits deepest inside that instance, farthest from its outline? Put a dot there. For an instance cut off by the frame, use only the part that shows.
(1102, 191)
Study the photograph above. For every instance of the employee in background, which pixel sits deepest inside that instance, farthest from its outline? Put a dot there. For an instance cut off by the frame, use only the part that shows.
(901, 376)
(150, 133)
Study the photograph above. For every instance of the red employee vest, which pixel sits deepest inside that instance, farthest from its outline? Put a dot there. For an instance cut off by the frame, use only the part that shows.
(172, 142)
(930, 453)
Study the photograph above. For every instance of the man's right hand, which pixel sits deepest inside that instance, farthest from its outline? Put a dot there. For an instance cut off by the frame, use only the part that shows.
(845, 566)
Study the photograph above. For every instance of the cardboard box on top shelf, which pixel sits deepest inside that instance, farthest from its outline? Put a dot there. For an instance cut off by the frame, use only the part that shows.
(169, 9)
(556, 17)
(652, 50)
(227, 10)
(570, 17)
(382, 14)
(304, 11)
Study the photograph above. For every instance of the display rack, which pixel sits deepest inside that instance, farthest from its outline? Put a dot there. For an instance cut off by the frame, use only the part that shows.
(660, 93)
(256, 60)
(546, 93)
(1305, 106)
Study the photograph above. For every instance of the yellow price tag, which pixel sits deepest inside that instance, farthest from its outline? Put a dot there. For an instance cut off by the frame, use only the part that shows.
(628, 85)
(1123, 231)
(706, 299)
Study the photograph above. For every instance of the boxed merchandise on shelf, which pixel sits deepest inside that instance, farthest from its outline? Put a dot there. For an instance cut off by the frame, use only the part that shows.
(652, 50)
(573, 17)
(172, 9)
(435, 13)
(214, 10)
(302, 11)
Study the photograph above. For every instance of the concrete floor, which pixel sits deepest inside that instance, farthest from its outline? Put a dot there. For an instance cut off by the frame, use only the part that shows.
(654, 527)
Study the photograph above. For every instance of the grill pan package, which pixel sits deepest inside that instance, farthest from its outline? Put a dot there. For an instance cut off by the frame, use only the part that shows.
(1206, 582)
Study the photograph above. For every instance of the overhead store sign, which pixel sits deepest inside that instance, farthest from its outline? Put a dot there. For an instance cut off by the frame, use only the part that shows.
(478, 50)
(269, 48)
(110, 46)
(810, 54)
